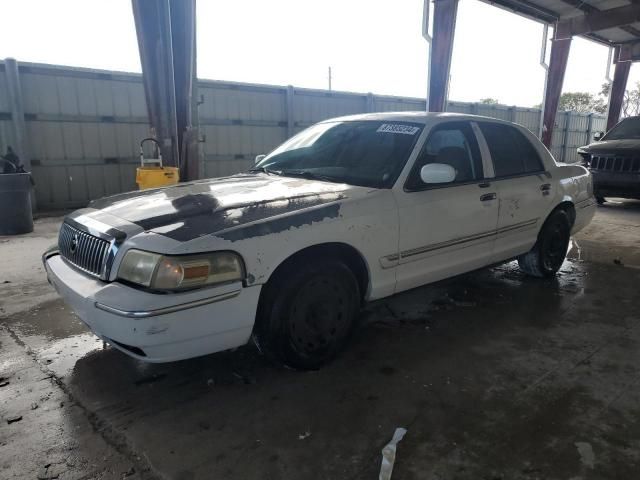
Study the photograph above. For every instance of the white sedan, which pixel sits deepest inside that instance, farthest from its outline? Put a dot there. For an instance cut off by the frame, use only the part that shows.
(350, 210)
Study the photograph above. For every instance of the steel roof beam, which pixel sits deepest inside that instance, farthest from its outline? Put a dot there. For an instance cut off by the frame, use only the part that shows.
(595, 20)
(585, 7)
(527, 9)
(628, 52)
(544, 15)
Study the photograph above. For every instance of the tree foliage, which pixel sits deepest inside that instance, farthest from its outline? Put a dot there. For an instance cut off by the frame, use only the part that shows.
(489, 101)
(583, 102)
(630, 101)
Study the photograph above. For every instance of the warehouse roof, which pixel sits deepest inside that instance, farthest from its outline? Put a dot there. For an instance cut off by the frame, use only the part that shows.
(610, 22)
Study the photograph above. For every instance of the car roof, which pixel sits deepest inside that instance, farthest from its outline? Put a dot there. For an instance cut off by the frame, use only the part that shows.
(415, 117)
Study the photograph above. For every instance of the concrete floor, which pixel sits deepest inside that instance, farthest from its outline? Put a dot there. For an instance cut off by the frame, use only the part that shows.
(495, 376)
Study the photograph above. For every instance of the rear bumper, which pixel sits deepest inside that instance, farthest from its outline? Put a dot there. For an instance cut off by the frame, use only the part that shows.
(615, 184)
(153, 327)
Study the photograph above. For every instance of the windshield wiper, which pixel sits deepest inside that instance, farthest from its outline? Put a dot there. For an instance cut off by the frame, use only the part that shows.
(310, 175)
(265, 170)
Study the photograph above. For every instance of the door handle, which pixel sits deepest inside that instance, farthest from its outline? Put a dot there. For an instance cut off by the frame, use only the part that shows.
(545, 188)
(488, 196)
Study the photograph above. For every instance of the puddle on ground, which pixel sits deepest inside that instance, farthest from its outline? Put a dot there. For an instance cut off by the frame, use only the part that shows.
(55, 334)
(52, 320)
(60, 356)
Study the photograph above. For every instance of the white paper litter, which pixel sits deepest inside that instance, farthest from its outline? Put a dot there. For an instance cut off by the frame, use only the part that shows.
(389, 454)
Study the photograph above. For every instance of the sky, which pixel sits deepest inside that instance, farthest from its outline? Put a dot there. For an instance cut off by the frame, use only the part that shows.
(371, 45)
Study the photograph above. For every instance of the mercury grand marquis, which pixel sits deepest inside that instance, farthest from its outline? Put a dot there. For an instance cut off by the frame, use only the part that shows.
(350, 210)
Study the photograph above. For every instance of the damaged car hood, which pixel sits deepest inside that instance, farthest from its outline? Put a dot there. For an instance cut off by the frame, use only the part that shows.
(230, 206)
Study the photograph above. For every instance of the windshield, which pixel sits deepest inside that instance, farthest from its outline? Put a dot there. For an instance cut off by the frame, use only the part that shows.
(366, 153)
(627, 128)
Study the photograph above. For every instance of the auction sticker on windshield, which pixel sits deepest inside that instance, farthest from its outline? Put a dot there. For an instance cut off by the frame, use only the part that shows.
(397, 128)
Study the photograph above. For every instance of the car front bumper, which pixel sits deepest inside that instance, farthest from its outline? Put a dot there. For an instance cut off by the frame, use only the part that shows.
(616, 184)
(158, 327)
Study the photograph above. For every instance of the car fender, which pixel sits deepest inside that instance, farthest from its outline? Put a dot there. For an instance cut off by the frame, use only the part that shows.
(368, 224)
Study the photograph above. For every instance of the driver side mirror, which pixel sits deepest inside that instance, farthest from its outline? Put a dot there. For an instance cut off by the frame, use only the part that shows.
(437, 173)
(598, 136)
(258, 159)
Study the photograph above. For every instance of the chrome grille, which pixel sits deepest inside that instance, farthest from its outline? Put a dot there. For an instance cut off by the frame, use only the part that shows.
(614, 163)
(83, 250)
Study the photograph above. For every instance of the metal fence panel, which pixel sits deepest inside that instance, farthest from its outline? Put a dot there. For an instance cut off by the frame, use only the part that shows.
(84, 125)
(459, 107)
(311, 106)
(228, 101)
(397, 104)
(529, 119)
(4, 93)
(6, 135)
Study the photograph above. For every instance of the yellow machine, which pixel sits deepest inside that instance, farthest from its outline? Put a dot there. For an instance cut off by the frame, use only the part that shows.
(156, 175)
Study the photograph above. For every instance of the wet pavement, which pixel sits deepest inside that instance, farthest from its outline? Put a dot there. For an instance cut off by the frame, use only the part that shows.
(495, 376)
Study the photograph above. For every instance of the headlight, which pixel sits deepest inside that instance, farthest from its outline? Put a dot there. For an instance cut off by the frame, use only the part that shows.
(177, 272)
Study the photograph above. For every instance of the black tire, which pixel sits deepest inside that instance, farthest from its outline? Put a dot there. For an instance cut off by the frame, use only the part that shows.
(547, 255)
(307, 313)
(600, 199)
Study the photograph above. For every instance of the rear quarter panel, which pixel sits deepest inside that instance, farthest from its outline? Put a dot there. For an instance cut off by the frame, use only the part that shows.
(572, 183)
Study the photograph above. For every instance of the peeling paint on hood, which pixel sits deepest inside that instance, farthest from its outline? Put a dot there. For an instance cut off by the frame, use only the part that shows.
(187, 211)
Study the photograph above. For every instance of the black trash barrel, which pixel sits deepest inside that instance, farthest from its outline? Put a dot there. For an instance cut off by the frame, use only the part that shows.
(15, 204)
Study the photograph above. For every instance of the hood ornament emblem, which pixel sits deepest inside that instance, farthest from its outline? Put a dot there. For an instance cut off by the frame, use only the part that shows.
(74, 244)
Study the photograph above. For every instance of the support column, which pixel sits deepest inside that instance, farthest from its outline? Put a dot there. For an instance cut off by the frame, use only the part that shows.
(166, 41)
(616, 96)
(17, 112)
(16, 105)
(553, 89)
(444, 25)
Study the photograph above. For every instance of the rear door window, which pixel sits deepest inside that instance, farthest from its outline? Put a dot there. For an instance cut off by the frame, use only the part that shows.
(512, 153)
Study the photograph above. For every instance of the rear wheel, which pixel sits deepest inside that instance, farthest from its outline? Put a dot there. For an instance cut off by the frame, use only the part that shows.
(307, 313)
(548, 254)
(600, 199)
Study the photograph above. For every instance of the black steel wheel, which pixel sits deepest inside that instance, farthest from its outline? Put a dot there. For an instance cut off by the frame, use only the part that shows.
(307, 314)
(548, 253)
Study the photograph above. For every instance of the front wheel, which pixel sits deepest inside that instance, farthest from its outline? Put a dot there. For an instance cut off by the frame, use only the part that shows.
(307, 313)
(548, 254)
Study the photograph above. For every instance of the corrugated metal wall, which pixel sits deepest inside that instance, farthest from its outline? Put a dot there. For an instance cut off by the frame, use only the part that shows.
(7, 136)
(83, 126)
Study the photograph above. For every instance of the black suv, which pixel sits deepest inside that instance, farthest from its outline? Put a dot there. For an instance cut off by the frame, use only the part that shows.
(614, 161)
